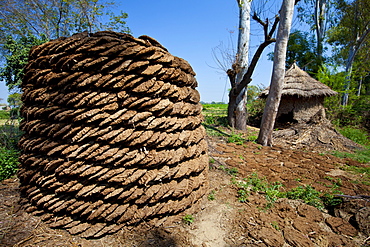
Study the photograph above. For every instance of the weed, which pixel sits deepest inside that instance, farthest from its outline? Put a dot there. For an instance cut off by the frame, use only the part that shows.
(252, 138)
(336, 182)
(231, 171)
(243, 195)
(272, 192)
(236, 138)
(212, 161)
(306, 193)
(275, 225)
(256, 184)
(188, 219)
(212, 195)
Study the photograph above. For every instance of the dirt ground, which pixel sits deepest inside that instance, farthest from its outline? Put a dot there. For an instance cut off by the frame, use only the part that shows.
(225, 221)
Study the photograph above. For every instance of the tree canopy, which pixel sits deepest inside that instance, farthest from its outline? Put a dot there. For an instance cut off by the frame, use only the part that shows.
(56, 18)
(26, 23)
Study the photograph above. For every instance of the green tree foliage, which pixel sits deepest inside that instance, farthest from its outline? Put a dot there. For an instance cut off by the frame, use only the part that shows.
(301, 50)
(16, 56)
(350, 38)
(56, 18)
(319, 15)
(356, 113)
(15, 103)
(25, 23)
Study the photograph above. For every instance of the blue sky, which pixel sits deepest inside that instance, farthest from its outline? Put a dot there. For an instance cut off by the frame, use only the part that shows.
(192, 29)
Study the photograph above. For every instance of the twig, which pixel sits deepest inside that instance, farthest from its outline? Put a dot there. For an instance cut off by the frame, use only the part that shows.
(24, 240)
(362, 197)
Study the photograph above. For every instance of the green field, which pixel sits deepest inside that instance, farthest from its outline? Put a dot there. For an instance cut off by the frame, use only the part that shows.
(215, 114)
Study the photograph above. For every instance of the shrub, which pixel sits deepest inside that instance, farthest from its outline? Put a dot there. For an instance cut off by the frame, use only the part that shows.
(9, 136)
(255, 111)
(8, 162)
(4, 114)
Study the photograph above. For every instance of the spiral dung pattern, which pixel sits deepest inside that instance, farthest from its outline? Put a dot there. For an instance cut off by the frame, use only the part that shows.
(112, 134)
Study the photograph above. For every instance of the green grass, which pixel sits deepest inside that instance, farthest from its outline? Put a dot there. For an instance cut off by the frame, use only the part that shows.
(360, 137)
(357, 135)
(361, 155)
(215, 114)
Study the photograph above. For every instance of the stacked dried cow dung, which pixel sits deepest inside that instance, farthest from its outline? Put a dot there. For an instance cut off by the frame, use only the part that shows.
(113, 134)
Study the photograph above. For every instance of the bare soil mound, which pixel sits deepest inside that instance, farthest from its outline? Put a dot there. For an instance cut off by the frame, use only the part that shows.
(317, 134)
(225, 221)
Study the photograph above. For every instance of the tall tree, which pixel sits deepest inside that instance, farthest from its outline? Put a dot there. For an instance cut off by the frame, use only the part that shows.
(16, 55)
(320, 26)
(237, 100)
(317, 14)
(56, 18)
(25, 23)
(278, 73)
(352, 32)
(300, 50)
(241, 72)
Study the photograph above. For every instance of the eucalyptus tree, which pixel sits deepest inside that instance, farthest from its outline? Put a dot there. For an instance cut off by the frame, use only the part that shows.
(318, 14)
(302, 51)
(351, 35)
(278, 73)
(241, 72)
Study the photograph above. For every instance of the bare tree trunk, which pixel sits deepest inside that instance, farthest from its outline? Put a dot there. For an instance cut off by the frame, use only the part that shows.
(237, 109)
(320, 26)
(278, 74)
(359, 39)
(351, 57)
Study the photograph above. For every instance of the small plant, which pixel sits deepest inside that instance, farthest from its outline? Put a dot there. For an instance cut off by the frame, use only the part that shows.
(256, 184)
(212, 195)
(243, 195)
(252, 138)
(8, 162)
(236, 138)
(212, 161)
(231, 171)
(336, 182)
(188, 219)
(272, 192)
(275, 225)
(306, 193)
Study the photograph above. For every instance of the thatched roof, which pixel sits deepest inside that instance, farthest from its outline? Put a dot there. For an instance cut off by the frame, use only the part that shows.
(298, 83)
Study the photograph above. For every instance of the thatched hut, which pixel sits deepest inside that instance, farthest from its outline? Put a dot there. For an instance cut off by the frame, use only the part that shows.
(302, 97)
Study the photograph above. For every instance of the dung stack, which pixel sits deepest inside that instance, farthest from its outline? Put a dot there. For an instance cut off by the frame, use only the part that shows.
(113, 134)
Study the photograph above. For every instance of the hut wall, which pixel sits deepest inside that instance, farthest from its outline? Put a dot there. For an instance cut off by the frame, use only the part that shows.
(299, 109)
